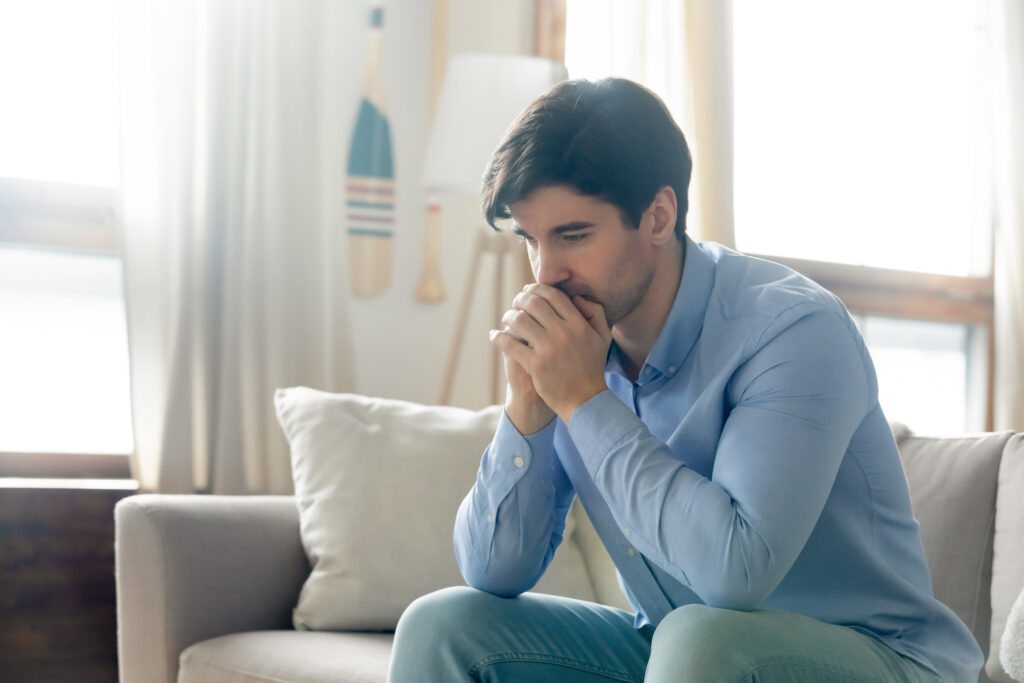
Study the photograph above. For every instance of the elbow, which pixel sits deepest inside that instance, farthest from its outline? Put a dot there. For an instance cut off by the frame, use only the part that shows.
(477, 574)
(738, 601)
(743, 587)
(493, 585)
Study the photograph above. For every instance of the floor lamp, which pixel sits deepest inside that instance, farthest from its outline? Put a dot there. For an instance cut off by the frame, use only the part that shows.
(481, 96)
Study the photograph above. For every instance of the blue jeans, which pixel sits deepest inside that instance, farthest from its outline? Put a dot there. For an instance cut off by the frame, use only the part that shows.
(462, 634)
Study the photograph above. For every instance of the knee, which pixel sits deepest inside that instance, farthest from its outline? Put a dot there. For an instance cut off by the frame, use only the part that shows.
(698, 643)
(430, 639)
(439, 613)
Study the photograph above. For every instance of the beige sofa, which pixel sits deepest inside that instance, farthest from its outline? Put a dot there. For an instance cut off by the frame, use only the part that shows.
(206, 584)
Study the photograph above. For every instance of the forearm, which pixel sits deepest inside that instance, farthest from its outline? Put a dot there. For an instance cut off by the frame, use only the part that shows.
(510, 523)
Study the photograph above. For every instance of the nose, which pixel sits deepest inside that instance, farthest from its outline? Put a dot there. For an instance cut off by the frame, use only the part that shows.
(548, 268)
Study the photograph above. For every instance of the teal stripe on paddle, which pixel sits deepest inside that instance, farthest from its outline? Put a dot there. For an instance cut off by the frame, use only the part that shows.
(370, 154)
(369, 232)
(370, 205)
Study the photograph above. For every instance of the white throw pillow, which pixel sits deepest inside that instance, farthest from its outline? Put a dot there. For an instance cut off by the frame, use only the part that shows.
(1011, 650)
(378, 483)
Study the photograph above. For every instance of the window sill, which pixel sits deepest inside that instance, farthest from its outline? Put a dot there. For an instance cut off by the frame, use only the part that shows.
(56, 466)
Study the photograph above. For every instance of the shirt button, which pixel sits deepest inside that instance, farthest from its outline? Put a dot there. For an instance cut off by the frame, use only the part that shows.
(671, 368)
(490, 517)
(518, 462)
(626, 530)
(632, 551)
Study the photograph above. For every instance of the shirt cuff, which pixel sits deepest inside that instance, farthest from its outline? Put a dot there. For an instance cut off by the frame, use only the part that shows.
(598, 425)
(512, 456)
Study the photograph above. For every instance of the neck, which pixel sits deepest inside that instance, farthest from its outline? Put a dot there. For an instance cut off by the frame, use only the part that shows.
(636, 333)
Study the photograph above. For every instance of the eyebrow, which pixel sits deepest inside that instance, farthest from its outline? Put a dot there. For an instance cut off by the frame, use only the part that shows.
(558, 229)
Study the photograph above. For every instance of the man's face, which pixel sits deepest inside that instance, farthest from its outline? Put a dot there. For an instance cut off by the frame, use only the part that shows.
(582, 245)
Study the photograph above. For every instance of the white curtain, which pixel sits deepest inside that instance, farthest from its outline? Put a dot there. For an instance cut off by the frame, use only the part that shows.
(1008, 56)
(682, 50)
(232, 153)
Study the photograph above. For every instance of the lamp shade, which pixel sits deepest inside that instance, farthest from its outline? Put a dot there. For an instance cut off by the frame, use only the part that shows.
(481, 96)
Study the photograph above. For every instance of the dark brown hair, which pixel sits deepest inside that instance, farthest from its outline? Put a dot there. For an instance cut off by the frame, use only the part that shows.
(612, 139)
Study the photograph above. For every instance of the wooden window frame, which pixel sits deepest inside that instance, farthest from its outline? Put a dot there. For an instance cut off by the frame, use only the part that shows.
(864, 290)
(71, 218)
(909, 295)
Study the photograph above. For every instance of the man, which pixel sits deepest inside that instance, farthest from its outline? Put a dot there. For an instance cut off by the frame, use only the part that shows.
(717, 416)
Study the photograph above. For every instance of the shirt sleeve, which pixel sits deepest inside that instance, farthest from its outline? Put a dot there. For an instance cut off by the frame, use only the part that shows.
(510, 523)
(797, 401)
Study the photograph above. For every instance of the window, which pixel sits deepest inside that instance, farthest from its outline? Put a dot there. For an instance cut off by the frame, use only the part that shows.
(911, 354)
(63, 354)
(860, 138)
(859, 133)
(65, 380)
(862, 160)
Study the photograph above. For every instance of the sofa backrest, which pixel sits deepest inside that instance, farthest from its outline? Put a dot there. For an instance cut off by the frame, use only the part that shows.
(953, 483)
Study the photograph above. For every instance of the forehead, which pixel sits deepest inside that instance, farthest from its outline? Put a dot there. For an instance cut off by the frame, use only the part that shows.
(553, 206)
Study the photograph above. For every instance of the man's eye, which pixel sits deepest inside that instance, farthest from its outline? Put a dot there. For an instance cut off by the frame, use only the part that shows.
(575, 237)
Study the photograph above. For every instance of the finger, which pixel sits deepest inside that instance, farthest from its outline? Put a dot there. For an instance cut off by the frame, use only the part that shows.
(556, 298)
(511, 347)
(594, 314)
(539, 309)
(521, 325)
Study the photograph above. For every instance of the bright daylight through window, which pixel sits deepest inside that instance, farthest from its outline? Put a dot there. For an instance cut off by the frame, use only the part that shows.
(63, 350)
(859, 133)
(860, 137)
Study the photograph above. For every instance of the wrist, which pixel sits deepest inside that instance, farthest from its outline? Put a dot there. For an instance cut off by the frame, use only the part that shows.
(567, 409)
(528, 417)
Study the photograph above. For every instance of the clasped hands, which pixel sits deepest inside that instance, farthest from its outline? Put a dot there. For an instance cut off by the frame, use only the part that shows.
(555, 350)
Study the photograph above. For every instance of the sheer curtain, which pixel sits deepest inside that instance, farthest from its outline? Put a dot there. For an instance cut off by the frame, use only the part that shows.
(1008, 57)
(682, 50)
(231, 153)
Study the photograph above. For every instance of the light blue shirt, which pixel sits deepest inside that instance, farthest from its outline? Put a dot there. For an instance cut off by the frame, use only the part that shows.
(749, 466)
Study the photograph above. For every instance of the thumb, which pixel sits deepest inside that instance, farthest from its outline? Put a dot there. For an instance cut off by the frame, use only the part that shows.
(594, 314)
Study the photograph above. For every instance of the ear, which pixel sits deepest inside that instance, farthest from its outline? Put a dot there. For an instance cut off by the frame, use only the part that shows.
(663, 213)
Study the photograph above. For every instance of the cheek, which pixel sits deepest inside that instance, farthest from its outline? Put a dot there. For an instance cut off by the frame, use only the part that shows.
(623, 262)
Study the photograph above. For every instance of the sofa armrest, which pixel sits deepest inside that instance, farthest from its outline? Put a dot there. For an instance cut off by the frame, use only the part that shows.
(192, 567)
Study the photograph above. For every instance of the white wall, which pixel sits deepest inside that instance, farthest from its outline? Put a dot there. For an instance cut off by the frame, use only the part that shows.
(401, 345)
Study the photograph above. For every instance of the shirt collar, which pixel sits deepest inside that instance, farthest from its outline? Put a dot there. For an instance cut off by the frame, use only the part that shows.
(685, 319)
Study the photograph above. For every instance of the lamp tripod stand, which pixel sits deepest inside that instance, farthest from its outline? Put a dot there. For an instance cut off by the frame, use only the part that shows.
(501, 245)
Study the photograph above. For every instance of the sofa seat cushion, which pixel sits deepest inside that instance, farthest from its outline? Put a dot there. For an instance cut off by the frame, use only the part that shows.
(292, 656)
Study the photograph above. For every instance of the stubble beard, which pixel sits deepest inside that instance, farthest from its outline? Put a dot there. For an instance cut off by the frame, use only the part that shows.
(617, 304)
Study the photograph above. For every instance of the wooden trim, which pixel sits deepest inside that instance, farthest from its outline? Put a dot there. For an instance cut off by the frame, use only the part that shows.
(65, 465)
(57, 215)
(549, 29)
(900, 293)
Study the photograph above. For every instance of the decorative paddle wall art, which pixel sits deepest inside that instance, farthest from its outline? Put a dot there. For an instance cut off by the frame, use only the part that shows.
(370, 185)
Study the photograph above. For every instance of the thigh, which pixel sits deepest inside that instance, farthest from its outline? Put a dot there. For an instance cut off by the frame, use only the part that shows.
(699, 643)
(462, 634)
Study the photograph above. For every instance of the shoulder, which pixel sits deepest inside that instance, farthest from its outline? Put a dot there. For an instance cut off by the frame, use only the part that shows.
(763, 293)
